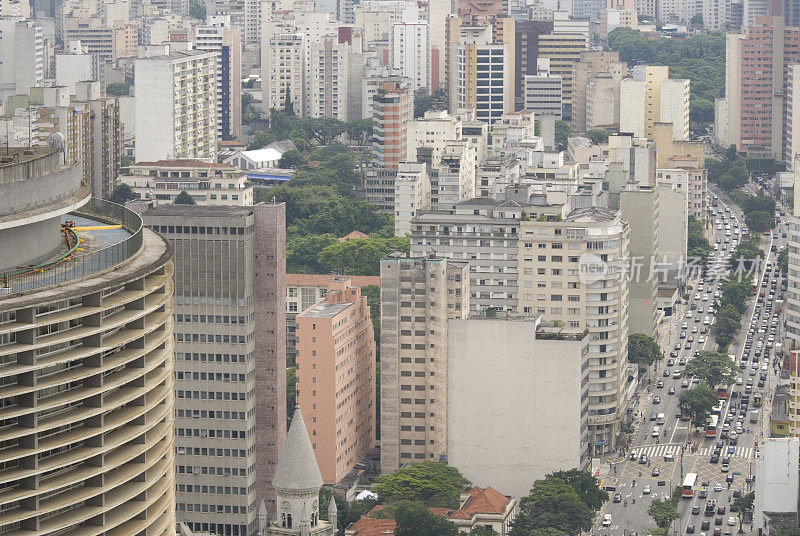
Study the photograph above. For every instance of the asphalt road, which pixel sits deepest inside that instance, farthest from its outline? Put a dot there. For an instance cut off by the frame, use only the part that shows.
(630, 477)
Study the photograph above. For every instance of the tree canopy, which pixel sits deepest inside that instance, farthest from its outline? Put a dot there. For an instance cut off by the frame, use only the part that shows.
(713, 368)
(584, 485)
(663, 512)
(183, 198)
(698, 402)
(759, 221)
(697, 243)
(643, 350)
(122, 193)
(414, 519)
(431, 483)
(552, 504)
(118, 89)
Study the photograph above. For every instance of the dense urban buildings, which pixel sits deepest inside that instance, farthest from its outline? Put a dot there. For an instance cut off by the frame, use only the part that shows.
(88, 360)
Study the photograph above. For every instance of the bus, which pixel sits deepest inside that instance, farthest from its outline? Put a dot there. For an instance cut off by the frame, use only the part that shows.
(717, 410)
(722, 392)
(688, 485)
(758, 399)
(711, 426)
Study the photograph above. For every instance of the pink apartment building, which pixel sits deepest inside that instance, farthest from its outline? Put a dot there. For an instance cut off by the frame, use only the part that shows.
(336, 378)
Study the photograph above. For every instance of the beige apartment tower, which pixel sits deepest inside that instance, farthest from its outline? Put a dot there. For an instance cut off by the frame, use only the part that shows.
(336, 378)
(230, 389)
(418, 296)
(571, 271)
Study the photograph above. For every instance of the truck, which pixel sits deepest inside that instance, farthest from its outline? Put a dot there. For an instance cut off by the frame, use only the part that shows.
(754, 416)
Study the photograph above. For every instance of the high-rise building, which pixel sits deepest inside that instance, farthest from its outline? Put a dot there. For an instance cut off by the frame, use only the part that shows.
(526, 51)
(412, 194)
(595, 93)
(564, 52)
(569, 271)
(652, 97)
(411, 52)
(336, 378)
(176, 106)
(88, 367)
(230, 374)
(392, 111)
(282, 70)
(245, 15)
(21, 57)
(110, 41)
(327, 82)
(543, 92)
(418, 296)
(756, 67)
(222, 39)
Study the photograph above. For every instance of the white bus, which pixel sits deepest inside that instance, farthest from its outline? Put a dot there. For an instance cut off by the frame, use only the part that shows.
(688, 485)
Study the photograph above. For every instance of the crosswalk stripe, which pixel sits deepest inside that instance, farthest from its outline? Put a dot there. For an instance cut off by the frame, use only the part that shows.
(739, 452)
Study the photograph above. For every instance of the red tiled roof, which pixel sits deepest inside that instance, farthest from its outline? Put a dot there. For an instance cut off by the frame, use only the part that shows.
(355, 235)
(482, 501)
(372, 527)
(185, 162)
(231, 143)
(324, 279)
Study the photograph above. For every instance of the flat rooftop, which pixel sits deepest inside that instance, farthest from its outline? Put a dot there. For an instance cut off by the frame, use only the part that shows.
(326, 310)
(12, 156)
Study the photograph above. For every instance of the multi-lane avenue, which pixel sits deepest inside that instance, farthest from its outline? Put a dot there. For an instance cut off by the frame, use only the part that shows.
(671, 447)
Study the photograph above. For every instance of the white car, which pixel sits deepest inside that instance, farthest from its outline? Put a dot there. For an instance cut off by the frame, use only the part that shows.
(731, 521)
(717, 487)
(646, 490)
(607, 520)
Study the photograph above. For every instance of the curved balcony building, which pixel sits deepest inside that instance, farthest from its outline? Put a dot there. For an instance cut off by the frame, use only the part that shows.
(86, 363)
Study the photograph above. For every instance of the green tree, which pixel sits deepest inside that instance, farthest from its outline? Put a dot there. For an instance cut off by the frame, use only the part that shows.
(758, 222)
(359, 130)
(322, 129)
(122, 193)
(373, 294)
(291, 392)
(598, 136)
(288, 105)
(663, 512)
(731, 153)
(743, 503)
(360, 256)
(126, 161)
(701, 111)
(342, 509)
(563, 130)
(197, 9)
(697, 243)
(697, 19)
(784, 530)
(431, 483)
(302, 252)
(698, 402)
(584, 485)
(552, 504)
(713, 368)
(735, 293)
(643, 350)
(292, 159)
(482, 530)
(414, 519)
(783, 260)
(118, 89)
(183, 198)
(262, 139)
(726, 324)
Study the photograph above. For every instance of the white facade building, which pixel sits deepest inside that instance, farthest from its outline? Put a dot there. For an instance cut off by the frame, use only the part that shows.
(412, 193)
(411, 52)
(543, 94)
(21, 57)
(176, 106)
(282, 71)
(327, 81)
(792, 132)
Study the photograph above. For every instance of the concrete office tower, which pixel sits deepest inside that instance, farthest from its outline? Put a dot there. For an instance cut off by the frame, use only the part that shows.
(223, 40)
(548, 369)
(526, 51)
(755, 68)
(791, 144)
(595, 93)
(418, 296)
(587, 9)
(327, 83)
(478, 53)
(245, 15)
(410, 52)
(564, 51)
(74, 68)
(298, 482)
(393, 109)
(110, 41)
(230, 369)
(176, 106)
(438, 12)
(336, 378)
(493, 282)
(639, 206)
(21, 57)
(652, 97)
(282, 68)
(91, 129)
(453, 180)
(754, 9)
(543, 92)
(88, 366)
(673, 231)
(412, 194)
(554, 260)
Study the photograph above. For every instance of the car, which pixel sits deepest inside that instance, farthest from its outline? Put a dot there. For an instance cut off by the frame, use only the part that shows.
(703, 493)
(617, 497)
(607, 520)
(717, 487)
(682, 335)
(666, 373)
(714, 458)
(671, 391)
(720, 510)
(656, 471)
(695, 510)
(643, 459)
(660, 384)
(646, 490)
(731, 521)
(669, 457)
(682, 361)
(725, 468)
(690, 529)
(705, 525)
(731, 450)
(729, 478)
(653, 417)
(685, 384)
(739, 381)
(673, 353)
(676, 374)
(635, 454)
(656, 399)
(718, 520)
(717, 532)
(670, 362)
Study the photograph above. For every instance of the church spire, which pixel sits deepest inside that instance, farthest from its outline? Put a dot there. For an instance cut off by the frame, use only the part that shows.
(297, 469)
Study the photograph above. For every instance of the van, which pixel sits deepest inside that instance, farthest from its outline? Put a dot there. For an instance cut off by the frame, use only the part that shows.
(661, 419)
(754, 416)
(656, 431)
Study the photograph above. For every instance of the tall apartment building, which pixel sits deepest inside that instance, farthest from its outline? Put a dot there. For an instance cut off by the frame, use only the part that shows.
(282, 70)
(412, 194)
(652, 97)
(208, 183)
(543, 94)
(526, 51)
(564, 52)
(21, 57)
(230, 379)
(484, 233)
(88, 369)
(756, 67)
(222, 39)
(418, 296)
(453, 180)
(791, 143)
(392, 111)
(595, 94)
(245, 15)
(570, 271)
(327, 81)
(792, 318)
(336, 378)
(410, 52)
(91, 129)
(109, 41)
(176, 106)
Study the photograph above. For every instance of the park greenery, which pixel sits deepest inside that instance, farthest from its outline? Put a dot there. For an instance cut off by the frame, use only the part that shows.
(431, 483)
(700, 58)
(697, 244)
(664, 511)
(783, 260)
(321, 205)
(697, 402)
(643, 350)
